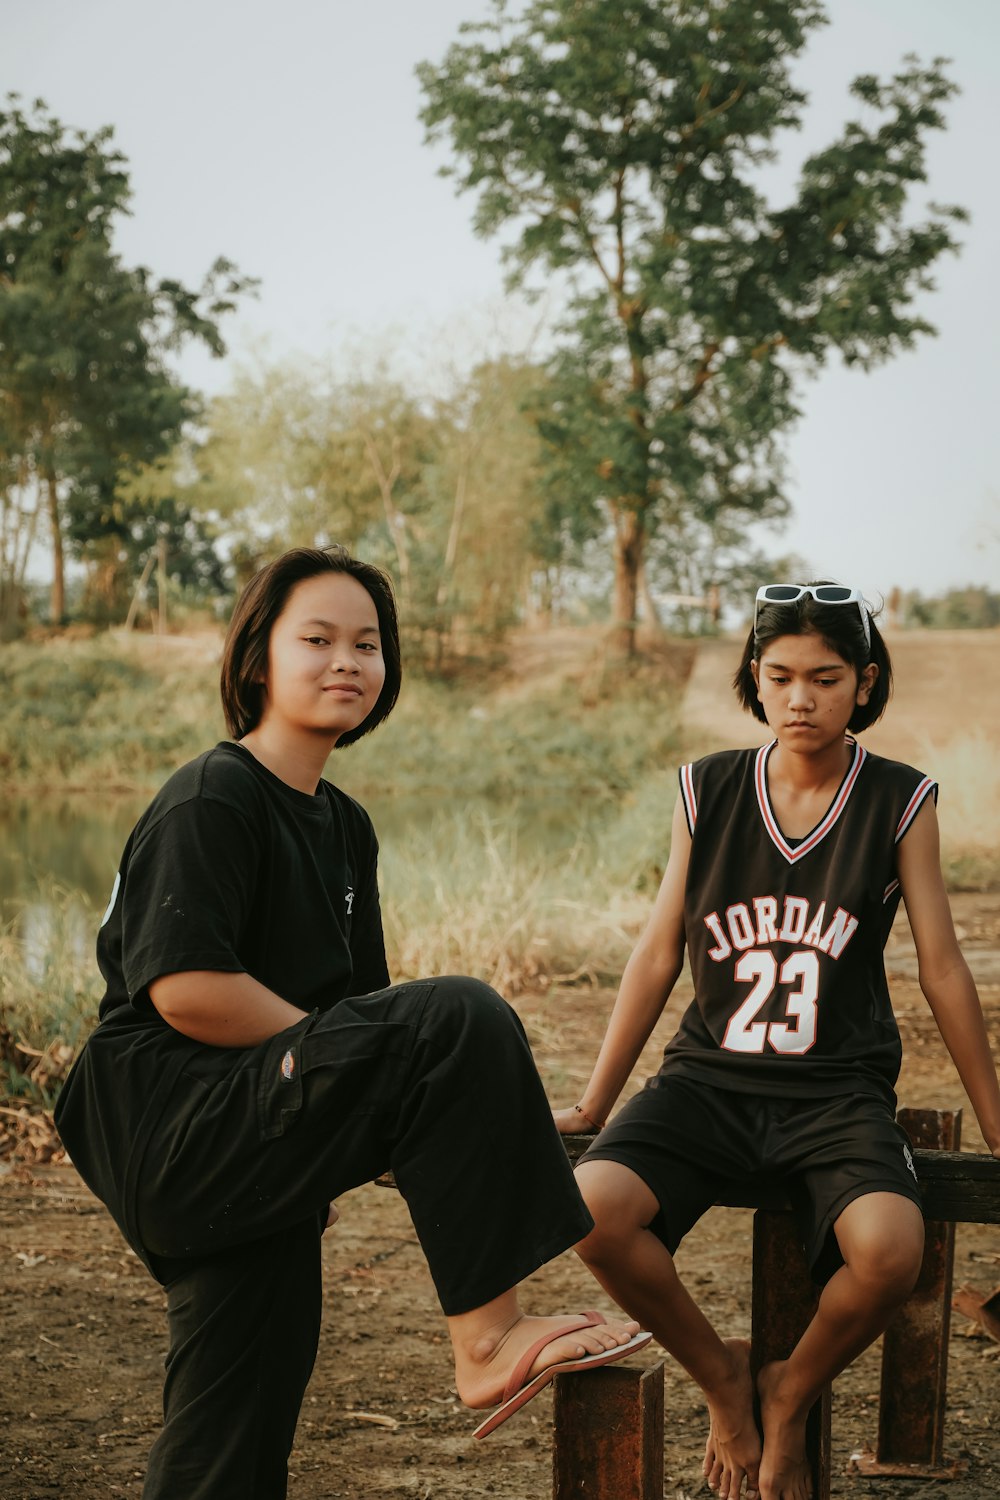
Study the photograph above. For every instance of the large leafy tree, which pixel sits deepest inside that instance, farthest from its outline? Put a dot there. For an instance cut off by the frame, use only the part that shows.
(621, 139)
(86, 394)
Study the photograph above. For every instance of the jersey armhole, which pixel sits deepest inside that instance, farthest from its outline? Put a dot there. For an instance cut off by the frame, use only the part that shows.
(926, 788)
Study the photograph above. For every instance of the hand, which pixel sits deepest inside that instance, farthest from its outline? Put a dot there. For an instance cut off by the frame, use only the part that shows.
(571, 1122)
(332, 1215)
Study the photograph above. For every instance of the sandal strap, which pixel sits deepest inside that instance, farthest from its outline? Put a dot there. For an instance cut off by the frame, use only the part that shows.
(519, 1373)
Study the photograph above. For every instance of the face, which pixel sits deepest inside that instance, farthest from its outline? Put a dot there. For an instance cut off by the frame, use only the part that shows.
(807, 691)
(325, 667)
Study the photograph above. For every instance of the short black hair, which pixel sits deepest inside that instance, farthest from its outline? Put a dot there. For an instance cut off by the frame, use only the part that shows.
(841, 629)
(244, 657)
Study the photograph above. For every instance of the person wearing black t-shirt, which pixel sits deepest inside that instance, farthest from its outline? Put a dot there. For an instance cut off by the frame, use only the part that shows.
(252, 1062)
(786, 868)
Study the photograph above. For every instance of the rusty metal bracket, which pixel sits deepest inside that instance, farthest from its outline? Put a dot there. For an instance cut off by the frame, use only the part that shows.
(984, 1310)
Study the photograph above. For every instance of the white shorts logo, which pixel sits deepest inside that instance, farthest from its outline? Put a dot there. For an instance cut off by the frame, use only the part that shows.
(908, 1158)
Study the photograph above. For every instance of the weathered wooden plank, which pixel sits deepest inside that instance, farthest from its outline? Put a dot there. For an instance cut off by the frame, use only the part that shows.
(959, 1186)
(914, 1390)
(607, 1441)
(962, 1187)
(783, 1302)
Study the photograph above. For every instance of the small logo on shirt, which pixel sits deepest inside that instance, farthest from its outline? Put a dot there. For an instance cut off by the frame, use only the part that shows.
(288, 1066)
(908, 1158)
(349, 898)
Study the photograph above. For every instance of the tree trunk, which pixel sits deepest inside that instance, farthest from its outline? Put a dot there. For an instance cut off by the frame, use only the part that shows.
(57, 597)
(630, 537)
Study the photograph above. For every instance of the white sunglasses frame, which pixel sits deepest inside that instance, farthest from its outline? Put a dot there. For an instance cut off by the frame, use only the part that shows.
(854, 596)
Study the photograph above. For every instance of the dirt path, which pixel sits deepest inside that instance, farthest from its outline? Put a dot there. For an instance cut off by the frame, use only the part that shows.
(83, 1325)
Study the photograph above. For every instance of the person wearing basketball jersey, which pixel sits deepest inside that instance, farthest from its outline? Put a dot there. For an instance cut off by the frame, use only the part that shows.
(786, 867)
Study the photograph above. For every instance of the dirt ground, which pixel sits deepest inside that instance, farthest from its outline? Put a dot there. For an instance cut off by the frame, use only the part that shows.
(84, 1329)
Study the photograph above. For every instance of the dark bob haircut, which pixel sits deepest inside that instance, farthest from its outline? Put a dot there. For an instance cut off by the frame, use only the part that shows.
(840, 628)
(245, 655)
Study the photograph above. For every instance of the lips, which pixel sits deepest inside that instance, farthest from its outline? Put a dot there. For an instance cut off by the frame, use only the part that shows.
(345, 689)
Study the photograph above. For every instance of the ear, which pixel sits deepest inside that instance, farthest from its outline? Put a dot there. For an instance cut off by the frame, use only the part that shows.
(866, 683)
(755, 674)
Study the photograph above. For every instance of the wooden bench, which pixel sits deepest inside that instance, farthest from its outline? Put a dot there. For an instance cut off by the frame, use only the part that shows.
(608, 1424)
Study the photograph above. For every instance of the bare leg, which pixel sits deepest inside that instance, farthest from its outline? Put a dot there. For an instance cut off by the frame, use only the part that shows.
(881, 1238)
(636, 1268)
(488, 1342)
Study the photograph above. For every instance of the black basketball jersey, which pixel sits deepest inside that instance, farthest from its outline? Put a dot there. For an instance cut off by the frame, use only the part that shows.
(786, 940)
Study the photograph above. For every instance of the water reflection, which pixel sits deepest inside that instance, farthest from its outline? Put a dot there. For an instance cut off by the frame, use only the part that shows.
(72, 843)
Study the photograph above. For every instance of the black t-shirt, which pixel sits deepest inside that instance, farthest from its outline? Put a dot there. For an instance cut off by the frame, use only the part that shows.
(230, 869)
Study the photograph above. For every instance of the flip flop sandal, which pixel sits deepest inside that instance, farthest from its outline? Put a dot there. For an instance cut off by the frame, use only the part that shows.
(519, 1391)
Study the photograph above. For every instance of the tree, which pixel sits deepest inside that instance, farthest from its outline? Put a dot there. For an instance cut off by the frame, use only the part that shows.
(85, 393)
(621, 138)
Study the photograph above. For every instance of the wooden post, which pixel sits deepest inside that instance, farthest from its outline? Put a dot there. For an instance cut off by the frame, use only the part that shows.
(915, 1344)
(607, 1440)
(783, 1302)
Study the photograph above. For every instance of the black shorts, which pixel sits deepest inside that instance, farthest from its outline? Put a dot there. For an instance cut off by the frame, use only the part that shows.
(692, 1143)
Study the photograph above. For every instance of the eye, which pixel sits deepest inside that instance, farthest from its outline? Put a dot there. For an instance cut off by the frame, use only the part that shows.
(316, 640)
(367, 646)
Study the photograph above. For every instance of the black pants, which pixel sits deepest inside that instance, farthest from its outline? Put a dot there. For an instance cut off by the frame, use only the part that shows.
(434, 1080)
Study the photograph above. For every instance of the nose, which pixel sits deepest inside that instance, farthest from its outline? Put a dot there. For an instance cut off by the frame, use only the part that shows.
(344, 660)
(800, 694)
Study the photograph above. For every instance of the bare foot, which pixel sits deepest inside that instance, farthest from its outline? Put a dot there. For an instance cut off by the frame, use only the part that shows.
(732, 1453)
(784, 1469)
(484, 1367)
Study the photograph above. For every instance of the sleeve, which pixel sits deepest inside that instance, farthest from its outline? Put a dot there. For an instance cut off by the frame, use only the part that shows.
(187, 892)
(370, 971)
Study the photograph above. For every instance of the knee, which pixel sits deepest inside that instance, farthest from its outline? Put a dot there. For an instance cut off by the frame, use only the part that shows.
(890, 1264)
(469, 1014)
(613, 1207)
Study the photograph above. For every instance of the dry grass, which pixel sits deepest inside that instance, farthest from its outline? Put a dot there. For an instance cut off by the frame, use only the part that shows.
(49, 990)
(969, 809)
(481, 905)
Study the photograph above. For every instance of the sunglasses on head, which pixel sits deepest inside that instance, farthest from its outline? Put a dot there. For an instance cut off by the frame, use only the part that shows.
(823, 593)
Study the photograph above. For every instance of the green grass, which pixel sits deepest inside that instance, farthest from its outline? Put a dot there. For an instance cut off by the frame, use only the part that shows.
(102, 714)
(123, 713)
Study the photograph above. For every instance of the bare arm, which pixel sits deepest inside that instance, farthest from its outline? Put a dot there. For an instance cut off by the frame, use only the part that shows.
(222, 1010)
(948, 986)
(649, 977)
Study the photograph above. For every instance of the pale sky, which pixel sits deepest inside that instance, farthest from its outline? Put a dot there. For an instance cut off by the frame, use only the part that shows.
(285, 136)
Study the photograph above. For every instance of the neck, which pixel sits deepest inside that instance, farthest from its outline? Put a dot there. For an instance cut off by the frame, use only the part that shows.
(809, 772)
(296, 760)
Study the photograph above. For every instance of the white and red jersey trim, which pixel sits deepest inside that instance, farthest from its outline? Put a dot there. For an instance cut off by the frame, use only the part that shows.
(914, 805)
(827, 822)
(690, 800)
